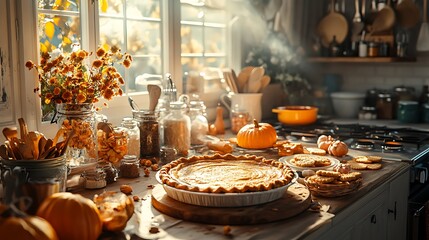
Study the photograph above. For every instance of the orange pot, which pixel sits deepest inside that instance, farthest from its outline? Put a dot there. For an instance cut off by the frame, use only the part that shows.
(296, 115)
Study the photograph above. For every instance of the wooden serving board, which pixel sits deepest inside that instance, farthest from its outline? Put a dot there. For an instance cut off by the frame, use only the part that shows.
(296, 200)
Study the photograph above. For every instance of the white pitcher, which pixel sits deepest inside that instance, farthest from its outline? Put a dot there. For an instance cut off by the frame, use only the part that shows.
(250, 102)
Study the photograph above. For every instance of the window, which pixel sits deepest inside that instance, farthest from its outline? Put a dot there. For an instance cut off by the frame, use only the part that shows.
(150, 30)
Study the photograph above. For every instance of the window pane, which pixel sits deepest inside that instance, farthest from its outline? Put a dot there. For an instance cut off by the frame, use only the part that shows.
(112, 32)
(215, 16)
(215, 40)
(143, 71)
(144, 38)
(111, 7)
(70, 5)
(192, 39)
(191, 13)
(147, 8)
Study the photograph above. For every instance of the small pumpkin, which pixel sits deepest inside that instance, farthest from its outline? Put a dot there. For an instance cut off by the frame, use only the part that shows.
(323, 142)
(15, 224)
(115, 208)
(72, 216)
(338, 148)
(256, 136)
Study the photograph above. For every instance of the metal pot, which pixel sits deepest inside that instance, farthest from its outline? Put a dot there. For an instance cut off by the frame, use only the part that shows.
(296, 115)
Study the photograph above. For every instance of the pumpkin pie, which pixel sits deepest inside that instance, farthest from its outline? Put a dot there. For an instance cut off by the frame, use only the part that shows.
(225, 174)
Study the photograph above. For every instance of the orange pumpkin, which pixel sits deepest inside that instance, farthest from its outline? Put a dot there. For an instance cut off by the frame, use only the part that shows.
(72, 216)
(256, 136)
(15, 224)
(115, 208)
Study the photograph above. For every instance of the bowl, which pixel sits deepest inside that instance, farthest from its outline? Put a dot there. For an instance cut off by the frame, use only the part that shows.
(347, 104)
(296, 115)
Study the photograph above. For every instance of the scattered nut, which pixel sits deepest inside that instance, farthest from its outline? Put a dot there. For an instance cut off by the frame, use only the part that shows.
(154, 167)
(226, 230)
(127, 189)
(146, 162)
(136, 198)
(154, 230)
(146, 172)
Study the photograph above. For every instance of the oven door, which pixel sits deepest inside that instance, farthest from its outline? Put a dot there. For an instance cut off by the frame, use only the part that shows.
(417, 221)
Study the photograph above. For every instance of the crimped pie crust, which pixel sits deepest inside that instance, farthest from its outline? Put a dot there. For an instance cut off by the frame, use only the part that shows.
(225, 174)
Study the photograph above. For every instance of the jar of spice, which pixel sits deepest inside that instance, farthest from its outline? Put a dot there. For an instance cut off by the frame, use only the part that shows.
(384, 106)
(199, 123)
(177, 128)
(239, 118)
(109, 170)
(133, 135)
(373, 49)
(94, 179)
(367, 113)
(149, 133)
(130, 167)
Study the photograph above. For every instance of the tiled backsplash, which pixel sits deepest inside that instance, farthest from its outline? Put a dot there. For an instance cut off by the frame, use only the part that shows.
(359, 77)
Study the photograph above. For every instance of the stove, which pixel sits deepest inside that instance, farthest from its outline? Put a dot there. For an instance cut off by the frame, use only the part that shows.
(398, 144)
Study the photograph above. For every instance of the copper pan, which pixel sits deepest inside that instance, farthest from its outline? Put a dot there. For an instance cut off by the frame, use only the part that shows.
(333, 24)
(384, 20)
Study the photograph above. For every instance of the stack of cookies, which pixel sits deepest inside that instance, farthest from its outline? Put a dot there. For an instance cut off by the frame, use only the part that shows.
(366, 162)
(333, 184)
(307, 160)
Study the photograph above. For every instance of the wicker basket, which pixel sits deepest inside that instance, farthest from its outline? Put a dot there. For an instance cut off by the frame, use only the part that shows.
(333, 190)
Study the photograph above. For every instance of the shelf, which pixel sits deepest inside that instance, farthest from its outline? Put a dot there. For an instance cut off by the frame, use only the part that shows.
(360, 59)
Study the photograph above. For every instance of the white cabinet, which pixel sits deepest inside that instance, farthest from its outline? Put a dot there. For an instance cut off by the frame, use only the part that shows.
(380, 214)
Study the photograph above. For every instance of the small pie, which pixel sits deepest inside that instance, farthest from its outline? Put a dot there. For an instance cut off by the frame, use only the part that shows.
(225, 174)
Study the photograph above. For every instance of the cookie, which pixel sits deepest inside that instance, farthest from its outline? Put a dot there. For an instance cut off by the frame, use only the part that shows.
(374, 159)
(303, 163)
(357, 166)
(316, 151)
(362, 159)
(373, 166)
(350, 176)
(322, 162)
(320, 179)
(327, 173)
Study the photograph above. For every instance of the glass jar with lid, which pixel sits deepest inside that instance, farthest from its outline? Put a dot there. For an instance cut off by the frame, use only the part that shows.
(133, 135)
(109, 170)
(149, 133)
(199, 123)
(177, 128)
(384, 105)
(130, 167)
(239, 118)
(94, 179)
(112, 144)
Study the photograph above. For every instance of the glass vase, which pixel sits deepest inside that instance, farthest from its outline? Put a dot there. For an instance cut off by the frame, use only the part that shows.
(81, 118)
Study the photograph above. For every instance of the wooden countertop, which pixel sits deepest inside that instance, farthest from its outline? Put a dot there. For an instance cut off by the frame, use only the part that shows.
(292, 228)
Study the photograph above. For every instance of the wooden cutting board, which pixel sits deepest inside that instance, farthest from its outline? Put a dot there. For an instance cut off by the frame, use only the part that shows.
(296, 200)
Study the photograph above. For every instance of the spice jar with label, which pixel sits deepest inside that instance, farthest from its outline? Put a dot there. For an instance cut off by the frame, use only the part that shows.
(177, 128)
(149, 133)
(94, 179)
(367, 113)
(133, 135)
(129, 168)
(373, 49)
(109, 170)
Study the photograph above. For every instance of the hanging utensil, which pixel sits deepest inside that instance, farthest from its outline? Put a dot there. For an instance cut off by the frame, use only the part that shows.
(384, 20)
(154, 93)
(358, 25)
(408, 14)
(423, 38)
(333, 24)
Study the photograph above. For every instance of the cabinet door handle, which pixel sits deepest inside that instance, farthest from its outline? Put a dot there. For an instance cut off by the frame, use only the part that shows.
(392, 211)
(374, 219)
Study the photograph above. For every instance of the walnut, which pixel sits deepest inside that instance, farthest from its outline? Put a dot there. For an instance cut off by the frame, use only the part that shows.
(127, 189)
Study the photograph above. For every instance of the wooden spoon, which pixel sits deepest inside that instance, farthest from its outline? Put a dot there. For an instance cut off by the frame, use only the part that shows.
(105, 127)
(254, 83)
(4, 152)
(42, 144)
(35, 137)
(265, 80)
(25, 150)
(154, 93)
(243, 78)
(10, 133)
(23, 128)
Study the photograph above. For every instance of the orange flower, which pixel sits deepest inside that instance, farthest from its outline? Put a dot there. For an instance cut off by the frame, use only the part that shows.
(57, 91)
(100, 52)
(81, 98)
(68, 79)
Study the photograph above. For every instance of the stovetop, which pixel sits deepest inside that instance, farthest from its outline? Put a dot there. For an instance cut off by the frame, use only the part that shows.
(395, 143)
